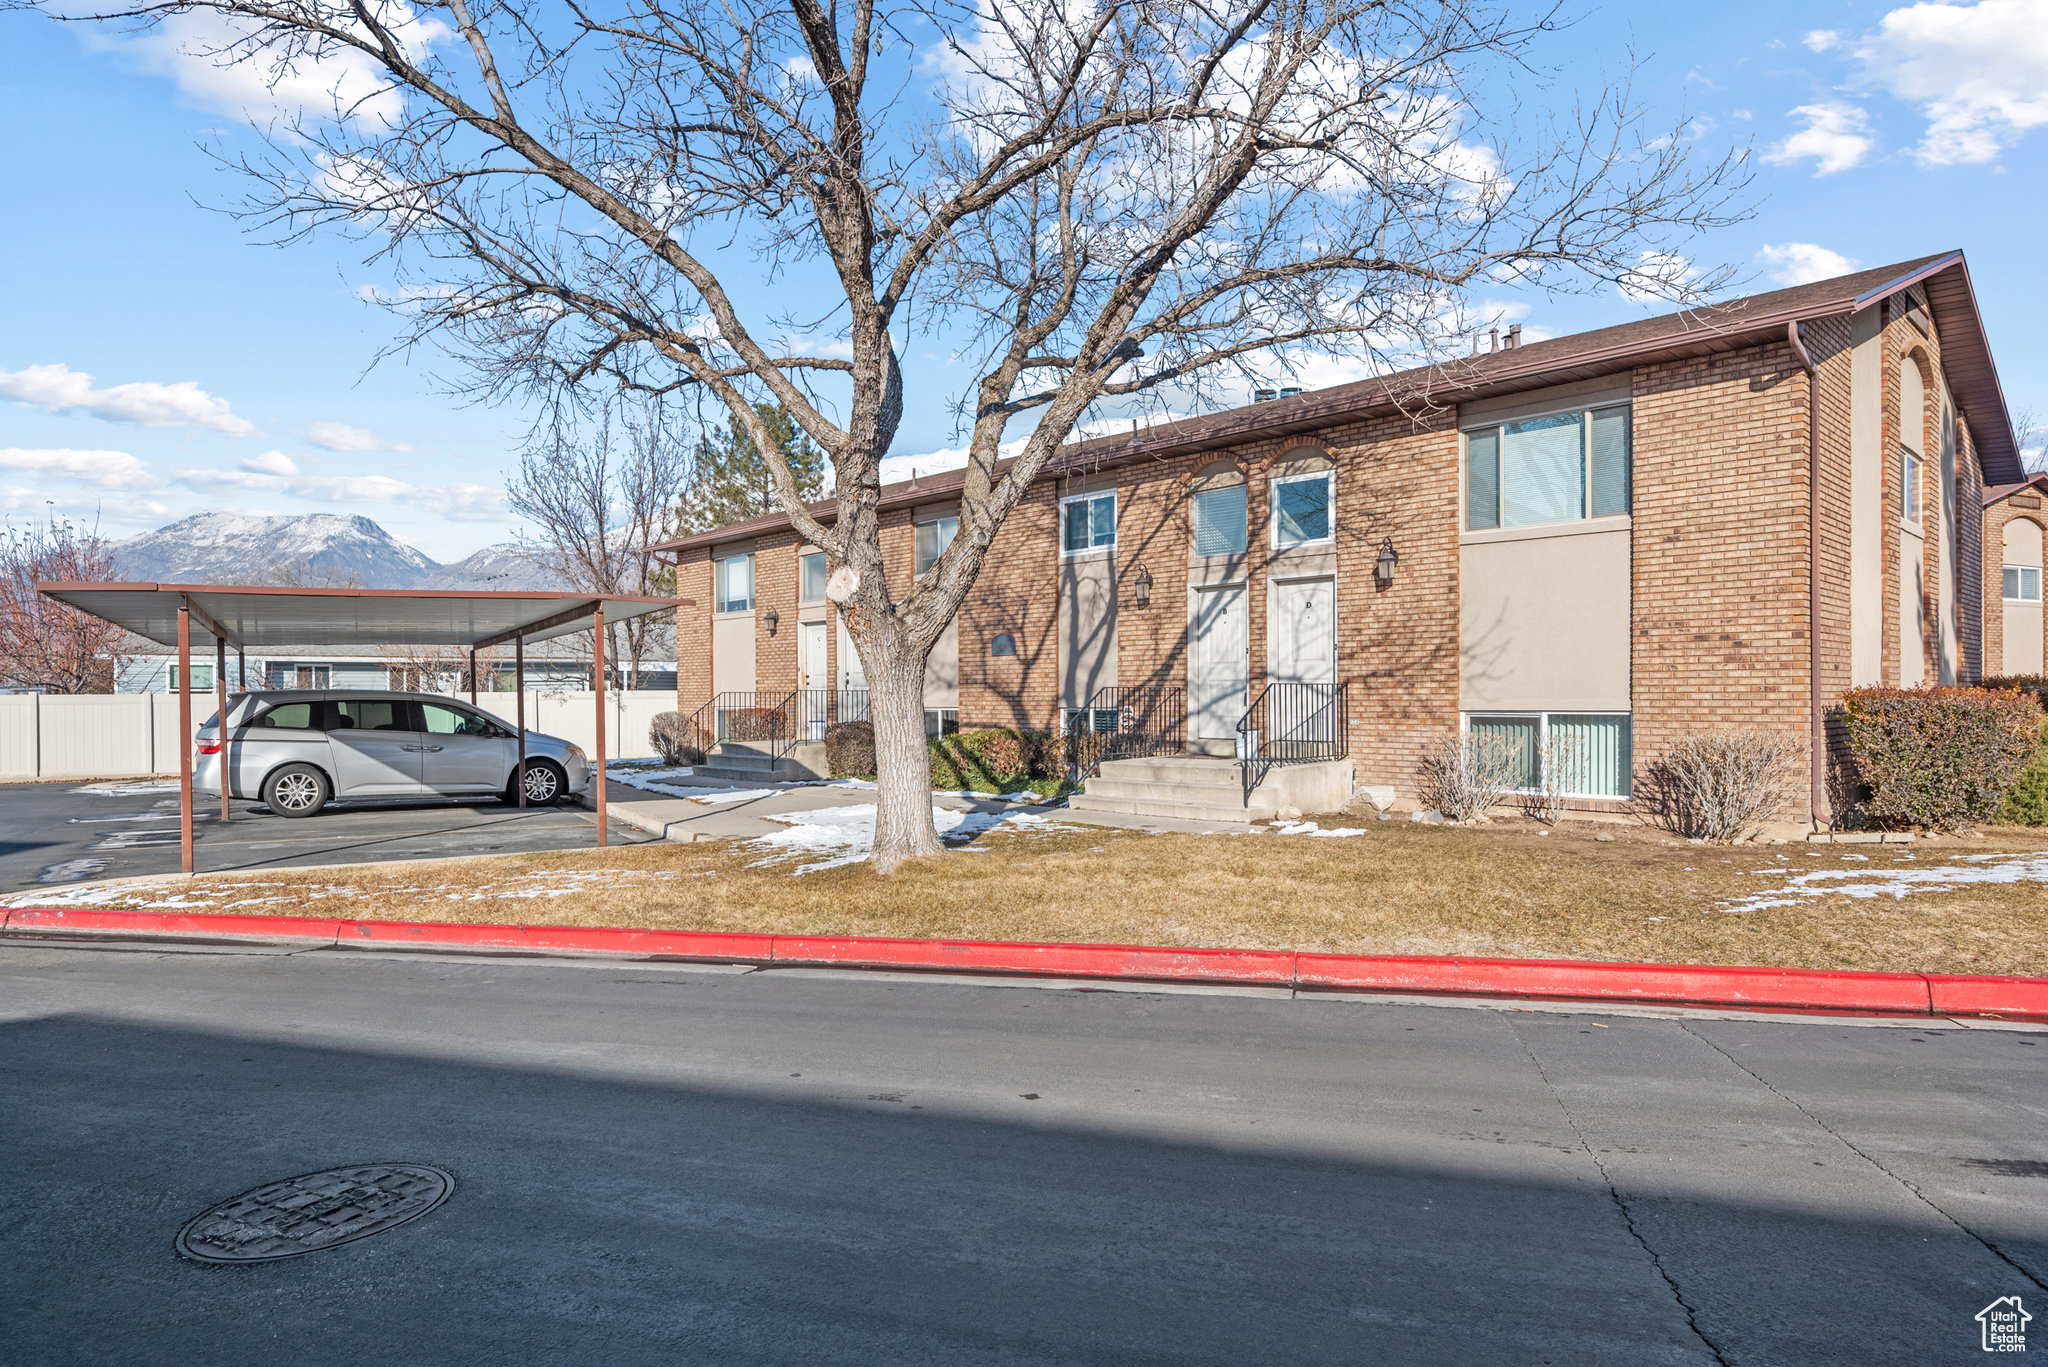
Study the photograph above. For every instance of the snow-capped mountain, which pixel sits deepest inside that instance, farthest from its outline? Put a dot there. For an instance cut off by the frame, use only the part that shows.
(313, 549)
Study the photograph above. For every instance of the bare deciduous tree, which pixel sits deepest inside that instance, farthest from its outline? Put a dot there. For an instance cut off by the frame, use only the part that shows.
(603, 493)
(44, 644)
(1087, 202)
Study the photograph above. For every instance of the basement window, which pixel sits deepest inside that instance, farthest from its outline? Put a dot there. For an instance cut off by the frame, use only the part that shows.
(1586, 754)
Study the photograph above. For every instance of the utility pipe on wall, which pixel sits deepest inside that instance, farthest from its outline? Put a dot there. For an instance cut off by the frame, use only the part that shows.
(1816, 720)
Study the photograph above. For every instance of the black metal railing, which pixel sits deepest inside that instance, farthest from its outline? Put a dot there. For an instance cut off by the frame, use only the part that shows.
(777, 721)
(1292, 723)
(1125, 723)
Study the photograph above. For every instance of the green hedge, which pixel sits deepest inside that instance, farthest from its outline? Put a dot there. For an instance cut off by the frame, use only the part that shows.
(1939, 757)
(996, 760)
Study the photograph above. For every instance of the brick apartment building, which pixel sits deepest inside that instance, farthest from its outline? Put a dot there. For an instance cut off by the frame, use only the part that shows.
(1720, 517)
(2015, 527)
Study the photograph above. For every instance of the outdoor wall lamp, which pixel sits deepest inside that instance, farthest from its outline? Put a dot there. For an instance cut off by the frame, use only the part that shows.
(1383, 568)
(1144, 586)
(772, 619)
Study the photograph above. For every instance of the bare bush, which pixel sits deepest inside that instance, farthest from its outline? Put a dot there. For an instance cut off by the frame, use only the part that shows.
(46, 645)
(1466, 776)
(1723, 785)
(676, 739)
(1555, 760)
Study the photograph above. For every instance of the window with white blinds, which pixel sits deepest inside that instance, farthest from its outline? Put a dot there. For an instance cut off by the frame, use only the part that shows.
(1218, 518)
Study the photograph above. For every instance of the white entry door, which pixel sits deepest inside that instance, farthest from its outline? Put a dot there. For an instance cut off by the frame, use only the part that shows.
(1304, 632)
(1219, 659)
(814, 679)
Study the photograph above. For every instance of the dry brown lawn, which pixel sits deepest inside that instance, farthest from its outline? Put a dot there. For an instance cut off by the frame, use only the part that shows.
(1503, 891)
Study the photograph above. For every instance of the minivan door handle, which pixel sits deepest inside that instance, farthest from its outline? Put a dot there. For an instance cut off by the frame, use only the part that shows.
(423, 747)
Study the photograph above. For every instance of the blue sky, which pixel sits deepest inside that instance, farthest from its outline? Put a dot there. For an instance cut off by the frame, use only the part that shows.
(159, 362)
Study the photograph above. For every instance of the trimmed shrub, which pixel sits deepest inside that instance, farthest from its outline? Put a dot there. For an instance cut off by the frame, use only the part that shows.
(2026, 683)
(850, 749)
(1939, 757)
(1723, 785)
(2027, 803)
(753, 723)
(997, 760)
(674, 739)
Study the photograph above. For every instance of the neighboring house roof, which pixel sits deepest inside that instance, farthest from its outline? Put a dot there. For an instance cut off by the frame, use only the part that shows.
(1998, 493)
(1945, 279)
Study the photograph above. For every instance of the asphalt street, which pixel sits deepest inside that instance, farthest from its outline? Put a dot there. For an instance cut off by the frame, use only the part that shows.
(663, 1163)
(54, 834)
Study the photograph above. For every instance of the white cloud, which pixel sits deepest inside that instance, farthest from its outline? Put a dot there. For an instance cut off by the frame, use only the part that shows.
(1836, 136)
(107, 469)
(1802, 263)
(1658, 277)
(335, 436)
(1821, 40)
(273, 472)
(342, 84)
(60, 389)
(1978, 72)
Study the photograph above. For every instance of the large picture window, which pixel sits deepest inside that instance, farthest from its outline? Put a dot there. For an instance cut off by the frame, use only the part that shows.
(1087, 523)
(733, 587)
(1216, 518)
(1589, 752)
(1560, 468)
(1302, 514)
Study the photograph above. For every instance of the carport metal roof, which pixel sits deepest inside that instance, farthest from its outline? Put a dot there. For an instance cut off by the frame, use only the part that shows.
(245, 615)
(250, 616)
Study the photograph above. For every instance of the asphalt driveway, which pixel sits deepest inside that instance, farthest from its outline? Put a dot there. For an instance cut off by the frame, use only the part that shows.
(58, 834)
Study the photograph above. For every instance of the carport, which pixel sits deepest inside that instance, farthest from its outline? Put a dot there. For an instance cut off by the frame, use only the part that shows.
(243, 616)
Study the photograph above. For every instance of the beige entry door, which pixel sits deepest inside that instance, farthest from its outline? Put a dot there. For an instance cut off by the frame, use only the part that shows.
(1218, 661)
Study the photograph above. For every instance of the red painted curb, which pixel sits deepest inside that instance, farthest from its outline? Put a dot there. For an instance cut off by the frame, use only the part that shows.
(80, 920)
(1796, 989)
(1707, 984)
(1956, 994)
(1266, 967)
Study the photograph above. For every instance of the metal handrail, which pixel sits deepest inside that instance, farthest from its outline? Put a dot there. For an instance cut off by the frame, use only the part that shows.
(1125, 723)
(1292, 723)
(779, 720)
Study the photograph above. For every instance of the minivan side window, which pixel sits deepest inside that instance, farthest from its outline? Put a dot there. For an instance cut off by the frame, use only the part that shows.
(453, 721)
(370, 714)
(291, 716)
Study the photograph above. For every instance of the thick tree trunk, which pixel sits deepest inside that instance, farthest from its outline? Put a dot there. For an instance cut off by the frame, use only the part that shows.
(903, 797)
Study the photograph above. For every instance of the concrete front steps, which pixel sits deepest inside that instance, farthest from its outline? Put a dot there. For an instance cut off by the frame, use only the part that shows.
(747, 763)
(1203, 788)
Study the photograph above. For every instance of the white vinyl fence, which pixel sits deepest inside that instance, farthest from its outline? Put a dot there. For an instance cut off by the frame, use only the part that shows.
(127, 735)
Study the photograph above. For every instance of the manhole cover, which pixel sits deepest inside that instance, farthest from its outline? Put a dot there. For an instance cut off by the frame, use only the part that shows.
(318, 1210)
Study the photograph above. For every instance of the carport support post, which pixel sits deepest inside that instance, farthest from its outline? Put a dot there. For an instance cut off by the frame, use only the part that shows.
(597, 637)
(519, 691)
(220, 714)
(185, 735)
(472, 676)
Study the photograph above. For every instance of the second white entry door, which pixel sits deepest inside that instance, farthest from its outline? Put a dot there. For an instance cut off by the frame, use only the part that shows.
(1304, 631)
(1219, 661)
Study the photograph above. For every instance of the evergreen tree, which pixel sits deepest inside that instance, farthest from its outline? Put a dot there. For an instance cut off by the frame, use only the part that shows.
(729, 481)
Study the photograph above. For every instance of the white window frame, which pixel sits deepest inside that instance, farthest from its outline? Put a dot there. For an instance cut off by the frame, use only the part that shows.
(199, 671)
(2024, 571)
(718, 579)
(1060, 530)
(1465, 720)
(1329, 477)
(924, 566)
(1912, 475)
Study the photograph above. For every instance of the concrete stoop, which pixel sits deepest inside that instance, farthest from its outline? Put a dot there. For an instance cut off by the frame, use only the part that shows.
(1205, 788)
(742, 762)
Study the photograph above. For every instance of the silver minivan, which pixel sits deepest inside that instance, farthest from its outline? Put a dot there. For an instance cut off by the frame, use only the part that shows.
(297, 749)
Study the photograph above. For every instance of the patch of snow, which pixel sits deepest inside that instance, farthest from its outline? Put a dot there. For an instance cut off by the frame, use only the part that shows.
(1974, 870)
(132, 816)
(834, 837)
(123, 789)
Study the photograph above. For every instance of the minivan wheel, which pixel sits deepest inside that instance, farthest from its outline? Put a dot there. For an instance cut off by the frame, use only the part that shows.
(545, 783)
(296, 790)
